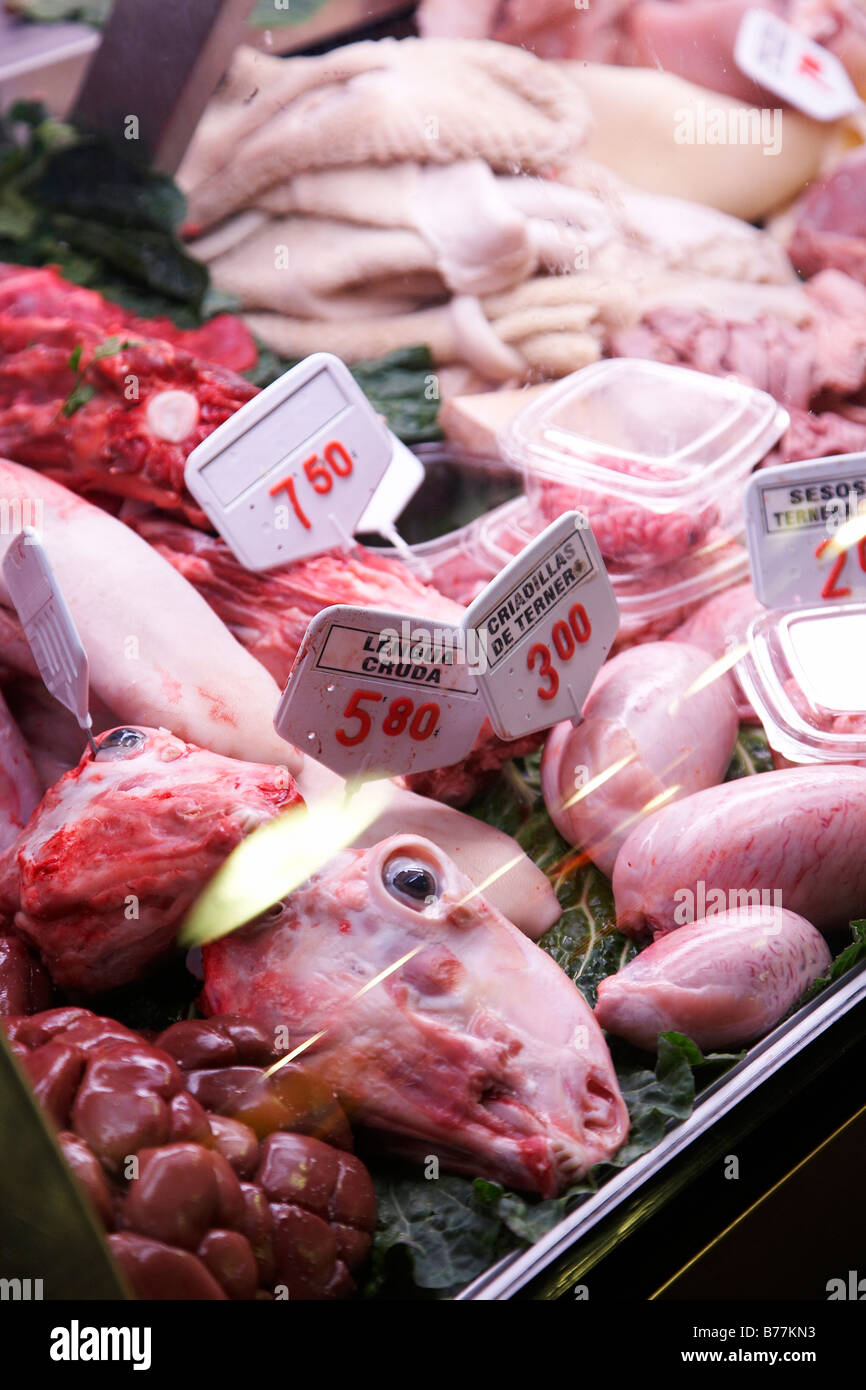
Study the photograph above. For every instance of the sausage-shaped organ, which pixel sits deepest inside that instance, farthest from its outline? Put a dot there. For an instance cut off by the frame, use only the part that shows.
(720, 624)
(649, 717)
(794, 838)
(724, 980)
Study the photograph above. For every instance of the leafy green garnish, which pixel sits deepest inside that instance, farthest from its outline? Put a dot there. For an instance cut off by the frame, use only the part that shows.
(396, 385)
(440, 1233)
(585, 941)
(751, 753)
(845, 961)
(448, 1230)
(400, 386)
(94, 12)
(273, 14)
(81, 203)
(82, 391)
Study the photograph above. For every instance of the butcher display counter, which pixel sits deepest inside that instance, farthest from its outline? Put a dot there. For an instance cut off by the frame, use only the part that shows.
(432, 725)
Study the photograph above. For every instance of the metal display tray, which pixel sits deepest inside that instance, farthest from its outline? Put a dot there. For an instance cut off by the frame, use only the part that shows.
(794, 1053)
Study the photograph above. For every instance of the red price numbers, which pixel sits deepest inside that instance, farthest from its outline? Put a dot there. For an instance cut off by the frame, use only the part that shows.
(831, 587)
(566, 638)
(401, 716)
(320, 473)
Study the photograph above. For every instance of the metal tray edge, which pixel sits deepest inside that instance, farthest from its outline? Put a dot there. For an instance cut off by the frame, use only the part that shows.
(764, 1059)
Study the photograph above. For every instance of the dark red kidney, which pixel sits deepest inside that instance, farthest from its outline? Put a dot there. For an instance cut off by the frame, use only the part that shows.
(354, 1198)
(189, 1121)
(194, 1043)
(230, 1199)
(94, 1035)
(341, 1283)
(236, 1142)
(175, 1197)
(290, 1099)
(134, 1066)
(296, 1168)
(40, 1027)
(258, 1227)
(240, 1093)
(88, 1172)
(116, 1125)
(353, 1246)
(55, 1071)
(305, 1252)
(255, 1048)
(160, 1272)
(24, 983)
(311, 1106)
(228, 1256)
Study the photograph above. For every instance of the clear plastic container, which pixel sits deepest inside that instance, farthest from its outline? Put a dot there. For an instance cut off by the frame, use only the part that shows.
(455, 564)
(806, 680)
(656, 456)
(465, 488)
(652, 602)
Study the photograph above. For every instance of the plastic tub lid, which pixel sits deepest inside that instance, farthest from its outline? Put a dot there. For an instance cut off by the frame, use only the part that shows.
(664, 437)
(802, 683)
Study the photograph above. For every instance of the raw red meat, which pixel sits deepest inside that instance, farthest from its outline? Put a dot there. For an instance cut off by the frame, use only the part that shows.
(810, 436)
(819, 364)
(41, 296)
(269, 613)
(24, 984)
(19, 784)
(121, 424)
(115, 853)
(625, 531)
(693, 38)
(830, 230)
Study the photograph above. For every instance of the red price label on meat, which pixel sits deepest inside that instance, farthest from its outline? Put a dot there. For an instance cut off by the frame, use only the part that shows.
(374, 693)
(545, 624)
(806, 525)
(292, 472)
(801, 72)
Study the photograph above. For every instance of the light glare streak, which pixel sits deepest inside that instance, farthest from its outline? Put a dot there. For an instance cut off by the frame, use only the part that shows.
(376, 980)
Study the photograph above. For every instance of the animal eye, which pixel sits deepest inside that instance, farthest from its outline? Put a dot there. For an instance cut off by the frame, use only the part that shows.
(120, 743)
(410, 882)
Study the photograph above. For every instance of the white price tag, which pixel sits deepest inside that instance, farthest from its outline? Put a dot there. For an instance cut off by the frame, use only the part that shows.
(402, 480)
(374, 693)
(806, 527)
(546, 624)
(799, 71)
(291, 473)
(48, 623)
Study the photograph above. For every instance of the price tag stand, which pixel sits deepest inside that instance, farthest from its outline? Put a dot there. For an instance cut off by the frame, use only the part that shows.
(375, 693)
